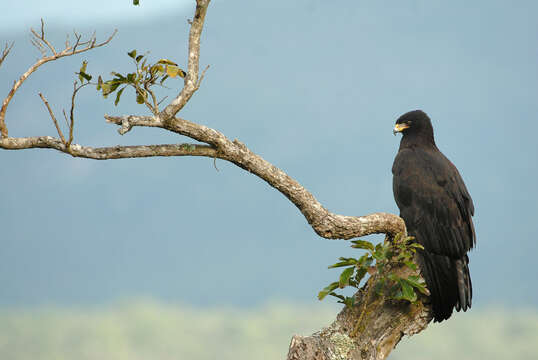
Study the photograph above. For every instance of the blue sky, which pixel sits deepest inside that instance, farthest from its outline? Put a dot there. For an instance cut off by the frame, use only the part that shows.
(71, 13)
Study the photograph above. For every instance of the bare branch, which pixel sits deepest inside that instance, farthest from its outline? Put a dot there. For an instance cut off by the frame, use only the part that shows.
(65, 118)
(71, 124)
(106, 153)
(53, 118)
(40, 39)
(201, 77)
(77, 40)
(191, 79)
(127, 122)
(144, 96)
(5, 52)
(39, 46)
(324, 223)
(155, 106)
(72, 113)
(68, 51)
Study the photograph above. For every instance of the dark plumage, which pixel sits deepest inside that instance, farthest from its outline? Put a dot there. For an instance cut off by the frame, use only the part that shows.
(437, 210)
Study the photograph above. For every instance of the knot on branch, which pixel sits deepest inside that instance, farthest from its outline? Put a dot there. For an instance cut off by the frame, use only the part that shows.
(240, 145)
(126, 125)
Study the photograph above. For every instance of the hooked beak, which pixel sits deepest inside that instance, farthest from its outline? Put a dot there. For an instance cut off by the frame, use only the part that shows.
(399, 128)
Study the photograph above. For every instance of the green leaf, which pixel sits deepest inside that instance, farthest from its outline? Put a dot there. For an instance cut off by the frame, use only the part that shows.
(366, 260)
(345, 276)
(109, 87)
(362, 244)
(99, 82)
(131, 77)
(407, 291)
(417, 283)
(166, 62)
(82, 70)
(136, 2)
(360, 274)
(118, 95)
(82, 75)
(106, 89)
(139, 57)
(132, 53)
(173, 71)
(140, 98)
(344, 262)
(328, 289)
(119, 77)
(379, 286)
(341, 297)
(156, 69)
(381, 251)
(411, 265)
(349, 301)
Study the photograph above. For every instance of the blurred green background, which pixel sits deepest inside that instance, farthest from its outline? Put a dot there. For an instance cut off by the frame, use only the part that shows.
(151, 330)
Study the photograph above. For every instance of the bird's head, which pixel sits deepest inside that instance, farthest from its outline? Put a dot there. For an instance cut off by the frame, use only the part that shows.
(414, 123)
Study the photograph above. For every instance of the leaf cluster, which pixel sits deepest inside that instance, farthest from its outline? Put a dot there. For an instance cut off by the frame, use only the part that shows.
(379, 260)
(142, 80)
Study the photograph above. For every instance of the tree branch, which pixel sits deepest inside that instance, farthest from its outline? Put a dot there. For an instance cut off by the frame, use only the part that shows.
(191, 83)
(68, 51)
(5, 52)
(107, 153)
(324, 223)
(40, 39)
(51, 113)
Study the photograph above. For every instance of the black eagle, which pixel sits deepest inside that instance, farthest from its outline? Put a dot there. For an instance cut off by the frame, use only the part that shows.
(437, 210)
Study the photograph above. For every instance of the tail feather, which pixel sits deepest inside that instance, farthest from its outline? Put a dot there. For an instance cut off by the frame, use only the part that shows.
(468, 284)
(460, 272)
(449, 283)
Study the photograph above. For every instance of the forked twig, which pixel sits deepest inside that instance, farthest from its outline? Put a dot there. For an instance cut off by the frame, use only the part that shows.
(192, 78)
(199, 82)
(39, 41)
(51, 113)
(72, 112)
(5, 52)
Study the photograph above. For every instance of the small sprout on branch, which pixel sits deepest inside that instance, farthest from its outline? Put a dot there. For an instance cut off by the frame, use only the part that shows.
(5, 52)
(82, 73)
(142, 80)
